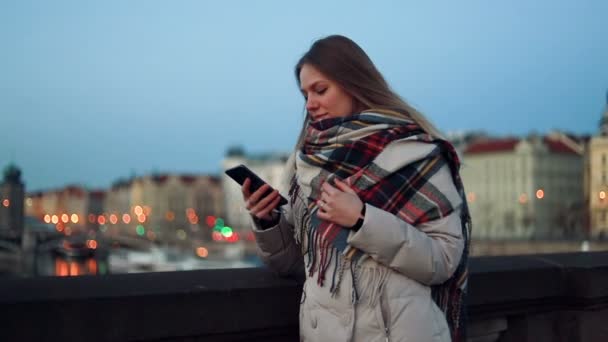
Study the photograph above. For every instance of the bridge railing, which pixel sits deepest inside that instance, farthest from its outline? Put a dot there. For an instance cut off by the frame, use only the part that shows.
(556, 297)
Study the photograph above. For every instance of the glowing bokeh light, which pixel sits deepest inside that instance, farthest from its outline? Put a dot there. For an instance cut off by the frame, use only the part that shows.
(65, 218)
(138, 210)
(113, 219)
(190, 212)
(170, 216)
(226, 232)
(92, 244)
(523, 198)
(141, 218)
(126, 218)
(602, 195)
(472, 197)
(202, 252)
(55, 219)
(74, 218)
(47, 218)
(540, 194)
(101, 219)
(216, 236)
(6, 203)
(140, 230)
(210, 220)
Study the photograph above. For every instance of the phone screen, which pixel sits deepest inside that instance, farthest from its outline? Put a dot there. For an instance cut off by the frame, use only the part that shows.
(241, 172)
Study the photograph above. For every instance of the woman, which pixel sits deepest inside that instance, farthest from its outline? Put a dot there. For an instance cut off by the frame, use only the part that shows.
(377, 216)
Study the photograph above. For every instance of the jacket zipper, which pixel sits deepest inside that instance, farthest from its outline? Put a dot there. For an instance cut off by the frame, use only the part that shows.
(386, 331)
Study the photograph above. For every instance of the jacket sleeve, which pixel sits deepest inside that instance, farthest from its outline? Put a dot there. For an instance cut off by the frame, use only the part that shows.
(277, 247)
(428, 253)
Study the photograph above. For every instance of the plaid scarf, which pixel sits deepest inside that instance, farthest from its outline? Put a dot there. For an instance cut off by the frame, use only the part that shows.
(346, 148)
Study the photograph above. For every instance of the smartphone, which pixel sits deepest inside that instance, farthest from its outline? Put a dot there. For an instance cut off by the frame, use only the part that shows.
(241, 172)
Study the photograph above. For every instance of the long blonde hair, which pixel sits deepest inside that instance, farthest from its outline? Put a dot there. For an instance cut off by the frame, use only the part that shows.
(344, 62)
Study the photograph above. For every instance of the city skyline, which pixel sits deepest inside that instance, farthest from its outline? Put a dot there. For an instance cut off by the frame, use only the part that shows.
(96, 92)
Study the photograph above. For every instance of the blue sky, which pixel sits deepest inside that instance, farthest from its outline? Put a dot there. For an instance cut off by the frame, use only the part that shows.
(94, 91)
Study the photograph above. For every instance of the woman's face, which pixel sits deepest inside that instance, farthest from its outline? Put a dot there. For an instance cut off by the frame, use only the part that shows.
(324, 98)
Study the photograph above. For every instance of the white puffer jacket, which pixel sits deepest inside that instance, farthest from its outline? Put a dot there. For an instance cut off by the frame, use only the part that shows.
(397, 308)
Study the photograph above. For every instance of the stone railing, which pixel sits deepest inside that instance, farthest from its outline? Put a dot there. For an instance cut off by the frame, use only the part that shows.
(554, 297)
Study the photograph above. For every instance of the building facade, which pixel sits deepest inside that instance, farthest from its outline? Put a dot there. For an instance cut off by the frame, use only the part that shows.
(170, 208)
(72, 209)
(598, 179)
(525, 188)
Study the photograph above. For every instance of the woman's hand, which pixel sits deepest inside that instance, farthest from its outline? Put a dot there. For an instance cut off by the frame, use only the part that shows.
(339, 204)
(257, 205)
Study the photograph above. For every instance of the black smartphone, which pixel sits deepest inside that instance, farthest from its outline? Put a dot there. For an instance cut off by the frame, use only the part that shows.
(241, 172)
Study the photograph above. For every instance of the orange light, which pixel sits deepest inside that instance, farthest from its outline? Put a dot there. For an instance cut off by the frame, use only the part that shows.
(59, 227)
(190, 212)
(92, 266)
(74, 269)
(61, 267)
(170, 216)
(113, 219)
(138, 210)
(602, 195)
(540, 194)
(47, 218)
(55, 219)
(6, 203)
(210, 220)
(141, 218)
(471, 197)
(194, 220)
(65, 218)
(126, 218)
(74, 218)
(523, 198)
(92, 244)
(202, 252)
(101, 219)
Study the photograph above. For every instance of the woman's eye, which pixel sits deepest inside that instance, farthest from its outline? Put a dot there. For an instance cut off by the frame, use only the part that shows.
(322, 91)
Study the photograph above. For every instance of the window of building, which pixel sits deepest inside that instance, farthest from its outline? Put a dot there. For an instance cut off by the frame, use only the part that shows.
(603, 158)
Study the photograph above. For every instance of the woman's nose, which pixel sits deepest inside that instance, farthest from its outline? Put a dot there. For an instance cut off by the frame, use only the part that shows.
(311, 104)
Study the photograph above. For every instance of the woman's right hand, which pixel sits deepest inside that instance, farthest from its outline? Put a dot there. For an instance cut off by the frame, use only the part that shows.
(257, 205)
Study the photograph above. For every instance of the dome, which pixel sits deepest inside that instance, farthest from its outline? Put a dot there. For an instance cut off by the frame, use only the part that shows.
(12, 173)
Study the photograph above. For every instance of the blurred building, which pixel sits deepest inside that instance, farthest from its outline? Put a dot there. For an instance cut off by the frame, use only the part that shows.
(164, 207)
(270, 167)
(72, 209)
(525, 188)
(598, 179)
(11, 204)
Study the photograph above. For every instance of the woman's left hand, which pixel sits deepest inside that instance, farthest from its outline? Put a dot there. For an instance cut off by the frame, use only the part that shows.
(339, 204)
